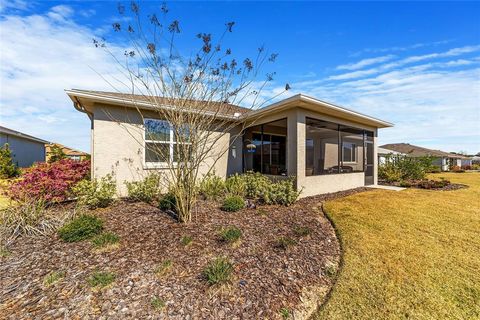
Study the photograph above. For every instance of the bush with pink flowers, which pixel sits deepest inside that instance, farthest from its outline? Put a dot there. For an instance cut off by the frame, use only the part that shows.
(51, 182)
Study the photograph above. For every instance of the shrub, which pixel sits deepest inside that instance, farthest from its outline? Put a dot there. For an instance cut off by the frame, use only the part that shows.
(164, 268)
(256, 184)
(81, 228)
(96, 193)
(402, 167)
(405, 184)
(53, 277)
(105, 239)
(212, 187)
(285, 243)
(285, 313)
(168, 202)
(236, 185)
(101, 279)
(51, 182)
(157, 303)
(230, 234)
(145, 190)
(476, 166)
(233, 203)
(56, 154)
(7, 168)
(218, 271)
(186, 240)
(282, 192)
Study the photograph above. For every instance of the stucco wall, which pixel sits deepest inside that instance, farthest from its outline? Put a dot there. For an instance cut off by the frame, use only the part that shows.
(25, 152)
(313, 185)
(118, 147)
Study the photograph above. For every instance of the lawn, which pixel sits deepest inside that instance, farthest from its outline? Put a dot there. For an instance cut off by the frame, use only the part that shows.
(410, 254)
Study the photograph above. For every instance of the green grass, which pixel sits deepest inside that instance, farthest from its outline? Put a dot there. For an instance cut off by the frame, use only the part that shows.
(101, 279)
(105, 239)
(230, 234)
(186, 240)
(157, 303)
(218, 271)
(164, 268)
(412, 254)
(53, 277)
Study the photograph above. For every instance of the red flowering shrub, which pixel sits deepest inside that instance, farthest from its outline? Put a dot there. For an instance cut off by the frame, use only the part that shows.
(51, 182)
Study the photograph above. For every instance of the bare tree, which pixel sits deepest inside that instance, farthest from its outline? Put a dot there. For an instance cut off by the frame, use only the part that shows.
(195, 94)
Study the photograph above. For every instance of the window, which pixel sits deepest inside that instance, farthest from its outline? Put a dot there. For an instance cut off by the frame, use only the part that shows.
(163, 144)
(332, 148)
(349, 151)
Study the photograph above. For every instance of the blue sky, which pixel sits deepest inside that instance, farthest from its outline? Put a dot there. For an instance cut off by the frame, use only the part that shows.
(414, 64)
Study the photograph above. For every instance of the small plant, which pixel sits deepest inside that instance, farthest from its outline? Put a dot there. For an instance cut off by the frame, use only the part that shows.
(233, 203)
(405, 184)
(146, 190)
(302, 231)
(164, 268)
(7, 168)
(230, 234)
(56, 153)
(285, 313)
(262, 212)
(96, 193)
(236, 185)
(285, 242)
(186, 240)
(330, 270)
(157, 303)
(4, 252)
(212, 187)
(218, 271)
(256, 184)
(105, 239)
(53, 277)
(101, 279)
(168, 202)
(81, 228)
(282, 192)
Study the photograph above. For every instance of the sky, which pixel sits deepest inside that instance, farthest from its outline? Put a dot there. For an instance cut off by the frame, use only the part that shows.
(415, 64)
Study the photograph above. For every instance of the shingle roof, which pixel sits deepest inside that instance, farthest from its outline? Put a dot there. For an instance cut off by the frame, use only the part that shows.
(68, 151)
(416, 151)
(218, 107)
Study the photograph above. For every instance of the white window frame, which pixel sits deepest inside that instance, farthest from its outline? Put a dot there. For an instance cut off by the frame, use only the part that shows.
(171, 142)
(353, 159)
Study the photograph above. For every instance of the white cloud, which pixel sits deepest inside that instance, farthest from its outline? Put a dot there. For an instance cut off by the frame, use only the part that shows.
(14, 5)
(365, 62)
(41, 56)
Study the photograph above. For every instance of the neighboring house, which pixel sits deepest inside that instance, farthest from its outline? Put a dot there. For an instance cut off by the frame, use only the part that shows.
(326, 147)
(69, 152)
(383, 154)
(26, 149)
(443, 160)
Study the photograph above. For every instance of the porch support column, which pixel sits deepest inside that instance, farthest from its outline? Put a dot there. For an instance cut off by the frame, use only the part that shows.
(375, 157)
(296, 146)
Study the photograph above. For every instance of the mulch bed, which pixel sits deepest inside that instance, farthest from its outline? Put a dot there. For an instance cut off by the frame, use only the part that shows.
(266, 278)
(435, 185)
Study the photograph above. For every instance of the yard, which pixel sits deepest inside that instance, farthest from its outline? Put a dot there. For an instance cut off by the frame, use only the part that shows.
(411, 254)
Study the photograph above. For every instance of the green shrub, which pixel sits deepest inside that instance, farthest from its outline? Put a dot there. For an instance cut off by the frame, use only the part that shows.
(285, 313)
(233, 203)
(212, 187)
(282, 192)
(186, 240)
(405, 184)
(7, 168)
(101, 279)
(81, 228)
(256, 184)
(168, 202)
(96, 193)
(145, 190)
(403, 167)
(285, 242)
(157, 303)
(236, 185)
(230, 234)
(56, 153)
(53, 277)
(218, 271)
(105, 239)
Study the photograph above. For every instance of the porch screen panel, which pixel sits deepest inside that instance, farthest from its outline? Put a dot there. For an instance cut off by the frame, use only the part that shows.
(352, 151)
(323, 151)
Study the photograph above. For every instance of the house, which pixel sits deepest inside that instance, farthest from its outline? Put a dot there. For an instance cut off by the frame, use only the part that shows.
(443, 160)
(326, 147)
(383, 154)
(69, 152)
(26, 149)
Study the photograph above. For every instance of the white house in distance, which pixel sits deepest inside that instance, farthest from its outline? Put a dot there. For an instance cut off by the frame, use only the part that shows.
(327, 148)
(26, 149)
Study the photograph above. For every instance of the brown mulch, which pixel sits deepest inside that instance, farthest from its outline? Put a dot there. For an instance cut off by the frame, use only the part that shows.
(434, 185)
(266, 278)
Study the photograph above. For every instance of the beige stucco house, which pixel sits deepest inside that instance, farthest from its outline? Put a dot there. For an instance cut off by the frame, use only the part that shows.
(326, 147)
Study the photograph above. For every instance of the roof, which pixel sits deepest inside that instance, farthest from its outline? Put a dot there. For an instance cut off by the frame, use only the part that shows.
(227, 110)
(416, 151)
(67, 150)
(381, 150)
(19, 134)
